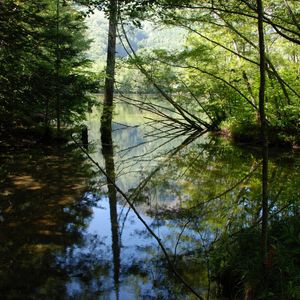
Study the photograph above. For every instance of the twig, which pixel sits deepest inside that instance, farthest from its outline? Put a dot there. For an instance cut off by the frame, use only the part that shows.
(178, 239)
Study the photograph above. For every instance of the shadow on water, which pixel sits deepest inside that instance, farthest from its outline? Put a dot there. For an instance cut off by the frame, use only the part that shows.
(43, 211)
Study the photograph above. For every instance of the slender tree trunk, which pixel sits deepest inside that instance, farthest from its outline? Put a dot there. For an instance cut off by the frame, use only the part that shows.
(58, 120)
(46, 122)
(106, 136)
(111, 53)
(264, 136)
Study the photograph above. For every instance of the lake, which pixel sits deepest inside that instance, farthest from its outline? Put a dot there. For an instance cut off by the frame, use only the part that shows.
(67, 233)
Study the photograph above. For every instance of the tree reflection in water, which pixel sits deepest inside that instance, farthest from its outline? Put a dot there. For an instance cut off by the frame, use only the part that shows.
(61, 239)
(197, 202)
(107, 151)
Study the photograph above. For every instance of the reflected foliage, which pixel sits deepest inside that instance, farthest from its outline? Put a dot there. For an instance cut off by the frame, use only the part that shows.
(214, 189)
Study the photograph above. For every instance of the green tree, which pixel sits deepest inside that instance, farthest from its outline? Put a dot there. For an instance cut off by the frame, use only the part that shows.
(43, 59)
(218, 71)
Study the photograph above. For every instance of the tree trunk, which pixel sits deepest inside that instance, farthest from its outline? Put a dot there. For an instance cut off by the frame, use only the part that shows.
(264, 136)
(111, 53)
(106, 136)
(57, 67)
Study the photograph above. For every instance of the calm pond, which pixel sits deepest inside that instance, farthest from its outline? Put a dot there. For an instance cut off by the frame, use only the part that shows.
(66, 235)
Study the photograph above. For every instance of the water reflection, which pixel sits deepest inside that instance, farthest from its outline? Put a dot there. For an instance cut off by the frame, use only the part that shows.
(63, 238)
(201, 202)
(218, 188)
(43, 212)
(108, 154)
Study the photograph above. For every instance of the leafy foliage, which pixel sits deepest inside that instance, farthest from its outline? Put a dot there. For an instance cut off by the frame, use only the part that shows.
(217, 72)
(43, 58)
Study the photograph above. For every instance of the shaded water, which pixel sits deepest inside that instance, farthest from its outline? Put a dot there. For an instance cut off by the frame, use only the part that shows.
(65, 234)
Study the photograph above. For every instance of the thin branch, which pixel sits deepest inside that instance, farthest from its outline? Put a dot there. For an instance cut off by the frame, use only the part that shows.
(178, 239)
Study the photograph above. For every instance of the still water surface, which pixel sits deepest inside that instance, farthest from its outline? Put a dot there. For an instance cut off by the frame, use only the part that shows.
(65, 235)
